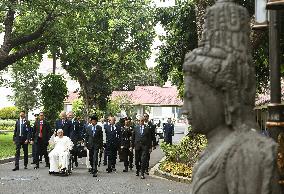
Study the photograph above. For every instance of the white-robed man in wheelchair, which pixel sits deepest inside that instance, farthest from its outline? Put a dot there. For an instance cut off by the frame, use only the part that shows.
(59, 157)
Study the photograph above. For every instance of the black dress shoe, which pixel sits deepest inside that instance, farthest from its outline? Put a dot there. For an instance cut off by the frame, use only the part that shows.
(25, 167)
(76, 164)
(147, 173)
(137, 173)
(125, 170)
(90, 170)
(16, 168)
(109, 170)
(142, 177)
(95, 175)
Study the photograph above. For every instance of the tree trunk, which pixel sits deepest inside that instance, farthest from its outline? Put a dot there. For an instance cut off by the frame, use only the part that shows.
(87, 99)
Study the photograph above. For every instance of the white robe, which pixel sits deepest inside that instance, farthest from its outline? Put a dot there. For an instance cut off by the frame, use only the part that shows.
(59, 156)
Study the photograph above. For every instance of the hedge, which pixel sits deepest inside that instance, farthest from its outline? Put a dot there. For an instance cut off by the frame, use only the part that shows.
(11, 112)
(7, 124)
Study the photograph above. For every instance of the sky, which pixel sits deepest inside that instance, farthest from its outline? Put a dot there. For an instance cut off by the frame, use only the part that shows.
(46, 65)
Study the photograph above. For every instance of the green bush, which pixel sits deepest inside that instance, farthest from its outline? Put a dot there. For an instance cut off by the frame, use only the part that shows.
(11, 112)
(187, 151)
(181, 157)
(7, 124)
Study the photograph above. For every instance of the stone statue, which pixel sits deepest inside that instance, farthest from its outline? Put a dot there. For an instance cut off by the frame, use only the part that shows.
(219, 100)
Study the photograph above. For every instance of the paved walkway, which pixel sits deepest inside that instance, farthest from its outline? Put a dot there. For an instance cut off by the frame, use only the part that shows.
(80, 181)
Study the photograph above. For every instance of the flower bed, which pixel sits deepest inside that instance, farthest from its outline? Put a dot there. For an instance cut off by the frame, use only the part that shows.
(180, 158)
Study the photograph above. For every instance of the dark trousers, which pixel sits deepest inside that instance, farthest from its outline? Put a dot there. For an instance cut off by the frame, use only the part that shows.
(93, 158)
(148, 160)
(141, 159)
(17, 154)
(111, 155)
(74, 151)
(125, 155)
(41, 150)
(168, 139)
(34, 152)
(105, 155)
(131, 155)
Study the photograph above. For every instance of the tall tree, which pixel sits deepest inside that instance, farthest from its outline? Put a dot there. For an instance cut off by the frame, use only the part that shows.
(183, 24)
(53, 93)
(143, 77)
(180, 24)
(28, 25)
(103, 44)
(25, 83)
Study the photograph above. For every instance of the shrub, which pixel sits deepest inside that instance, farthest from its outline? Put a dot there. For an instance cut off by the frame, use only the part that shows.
(181, 157)
(7, 124)
(179, 169)
(11, 112)
(187, 151)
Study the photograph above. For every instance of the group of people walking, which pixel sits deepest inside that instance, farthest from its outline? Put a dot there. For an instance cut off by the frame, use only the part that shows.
(125, 137)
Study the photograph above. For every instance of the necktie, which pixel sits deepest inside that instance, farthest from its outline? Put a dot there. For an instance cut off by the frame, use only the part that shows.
(21, 127)
(94, 130)
(141, 130)
(40, 129)
(112, 128)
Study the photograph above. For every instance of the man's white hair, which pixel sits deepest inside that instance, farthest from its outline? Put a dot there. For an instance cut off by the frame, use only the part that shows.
(59, 130)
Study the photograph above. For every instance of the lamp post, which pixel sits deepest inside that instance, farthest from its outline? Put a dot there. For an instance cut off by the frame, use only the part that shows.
(275, 108)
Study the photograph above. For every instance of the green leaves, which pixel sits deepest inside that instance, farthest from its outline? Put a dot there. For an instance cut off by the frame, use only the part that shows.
(104, 44)
(25, 83)
(180, 24)
(53, 93)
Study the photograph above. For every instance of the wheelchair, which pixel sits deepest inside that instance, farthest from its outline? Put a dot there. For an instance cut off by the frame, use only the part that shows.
(65, 171)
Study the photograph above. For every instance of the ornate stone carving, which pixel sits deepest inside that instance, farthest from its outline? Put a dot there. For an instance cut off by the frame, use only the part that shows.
(219, 100)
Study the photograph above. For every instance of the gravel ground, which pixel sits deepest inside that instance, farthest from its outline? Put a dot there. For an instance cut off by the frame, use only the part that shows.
(80, 181)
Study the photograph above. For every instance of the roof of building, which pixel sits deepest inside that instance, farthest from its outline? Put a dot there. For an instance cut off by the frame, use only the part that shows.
(151, 95)
(71, 97)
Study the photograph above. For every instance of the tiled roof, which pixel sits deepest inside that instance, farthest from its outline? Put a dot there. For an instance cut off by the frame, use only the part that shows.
(152, 95)
(71, 97)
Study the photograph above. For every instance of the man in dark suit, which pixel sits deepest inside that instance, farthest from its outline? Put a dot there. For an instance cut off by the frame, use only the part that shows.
(21, 137)
(33, 145)
(41, 136)
(113, 133)
(152, 128)
(125, 143)
(75, 135)
(168, 131)
(142, 142)
(64, 124)
(94, 142)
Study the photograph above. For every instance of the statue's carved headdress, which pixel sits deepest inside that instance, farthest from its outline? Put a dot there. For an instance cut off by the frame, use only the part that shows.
(223, 58)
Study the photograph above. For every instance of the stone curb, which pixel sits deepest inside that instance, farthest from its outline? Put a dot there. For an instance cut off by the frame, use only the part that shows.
(157, 172)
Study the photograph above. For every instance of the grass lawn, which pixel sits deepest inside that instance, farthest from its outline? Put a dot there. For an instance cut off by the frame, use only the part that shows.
(7, 147)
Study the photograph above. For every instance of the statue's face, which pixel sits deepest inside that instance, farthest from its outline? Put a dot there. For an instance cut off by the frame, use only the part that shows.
(204, 106)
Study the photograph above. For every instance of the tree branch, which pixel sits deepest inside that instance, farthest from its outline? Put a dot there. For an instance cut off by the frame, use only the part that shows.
(35, 35)
(8, 23)
(12, 58)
